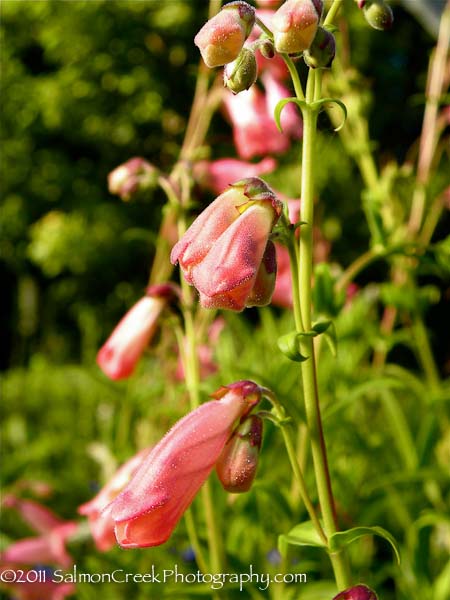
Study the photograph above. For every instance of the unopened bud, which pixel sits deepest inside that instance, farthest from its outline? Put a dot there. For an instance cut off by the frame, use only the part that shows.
(357, 592)
(378, 14)
(132, 177)
(237, 465)
(241, 74)
(295, 24)
(321, 53)
(266, 48)
(221, 39)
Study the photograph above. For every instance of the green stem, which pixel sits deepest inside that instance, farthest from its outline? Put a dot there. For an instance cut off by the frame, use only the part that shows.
(355, 268)
(194, 541)
(308, 367)
(425, 354)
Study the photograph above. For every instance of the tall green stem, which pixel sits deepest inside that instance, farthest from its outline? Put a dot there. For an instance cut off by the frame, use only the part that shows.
(308, 367)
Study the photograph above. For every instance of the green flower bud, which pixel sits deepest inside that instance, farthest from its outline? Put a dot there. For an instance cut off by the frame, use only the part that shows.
(321, 53)
(241, 74)
(378, 14)
(236, 466)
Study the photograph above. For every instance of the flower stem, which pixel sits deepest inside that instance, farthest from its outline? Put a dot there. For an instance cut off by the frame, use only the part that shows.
(308, 367)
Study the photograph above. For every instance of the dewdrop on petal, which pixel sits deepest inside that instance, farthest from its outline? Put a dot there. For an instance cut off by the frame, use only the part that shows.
(221, 39)
(241, 74)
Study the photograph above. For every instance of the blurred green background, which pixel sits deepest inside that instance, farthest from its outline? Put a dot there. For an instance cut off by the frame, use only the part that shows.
(87, 85)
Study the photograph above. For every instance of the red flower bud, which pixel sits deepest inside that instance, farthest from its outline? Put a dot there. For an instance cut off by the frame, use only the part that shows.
(236, 467)
(295, 24)
(357, 592)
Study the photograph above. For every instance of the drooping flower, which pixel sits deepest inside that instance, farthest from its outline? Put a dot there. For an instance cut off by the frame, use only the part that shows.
(49, 546)
(221, 39)
(148, 509)
(133, 176)
(225, 253)
(295, 24)
(218, 174)
(100, 521)
(120, 354)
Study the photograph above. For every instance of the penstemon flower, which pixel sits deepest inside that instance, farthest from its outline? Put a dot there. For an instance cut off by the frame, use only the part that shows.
(148, 509)
(100, 521)
(133, 176)
(225, 253)
(120, 354)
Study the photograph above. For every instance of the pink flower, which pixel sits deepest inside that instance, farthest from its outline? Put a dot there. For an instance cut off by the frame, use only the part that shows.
(225, 253)
(358, 592)
(295, 24)
(48, 548)
(134, 175)
(35, 590)
(100, 521)
(205, 352)
(291, 122)
(254, 129)
(221, 38)
(148, 509)
(219, 174)
(37, 516)
(120, 354)
(275, 65)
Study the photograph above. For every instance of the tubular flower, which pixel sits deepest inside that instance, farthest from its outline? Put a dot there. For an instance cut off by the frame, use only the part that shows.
(148, 509)
(36, 515)
(221, 39)
(120, 354)
(218, 174)
(225, 253)
(295, 24)
(100, 521)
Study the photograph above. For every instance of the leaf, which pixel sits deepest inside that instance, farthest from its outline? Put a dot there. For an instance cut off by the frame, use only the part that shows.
(320, 103)
(281, 104)
(321, 326)
(340, 539)
(288, 344)
(304, 534)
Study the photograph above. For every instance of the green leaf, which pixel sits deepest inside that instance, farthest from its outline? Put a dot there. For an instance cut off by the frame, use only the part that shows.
(288, 344)
(304, 534)
(320, 103)
(321, 326)
(340, 539)
(331, 338)
(281, 104)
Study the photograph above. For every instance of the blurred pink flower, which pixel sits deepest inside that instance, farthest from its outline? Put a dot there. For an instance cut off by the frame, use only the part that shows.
(100, 521)
(218, 174)
(225, 253)
(135, 175)
(36, 515)
(49, 548)
(36, 590)
(120, 354)
(148, 509)
(282, 295)
(205, 352)
(254, 129)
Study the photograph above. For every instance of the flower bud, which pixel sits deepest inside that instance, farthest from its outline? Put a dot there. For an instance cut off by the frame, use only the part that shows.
(132, 177)
(378, 14)
(236, 466)
(295, 24)
(221, 39)
(321, 53)
(267, 49)
(241, 74)
(357, 592)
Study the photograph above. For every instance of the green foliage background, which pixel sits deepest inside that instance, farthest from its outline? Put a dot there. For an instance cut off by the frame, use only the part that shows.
(88, 84)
